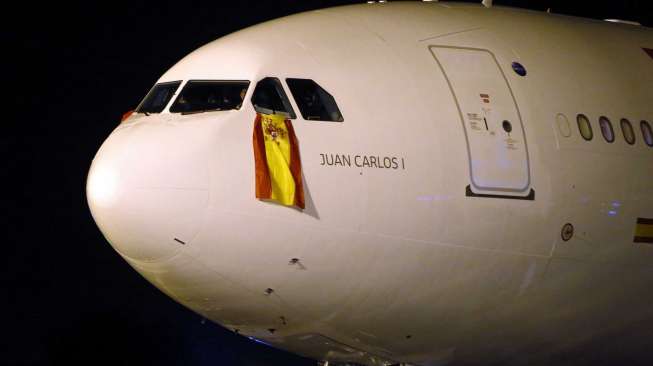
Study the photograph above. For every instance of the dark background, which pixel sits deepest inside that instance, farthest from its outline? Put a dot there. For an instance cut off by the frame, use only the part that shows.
(73, 69)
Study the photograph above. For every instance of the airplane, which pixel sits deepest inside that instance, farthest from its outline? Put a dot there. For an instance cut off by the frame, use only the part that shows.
(477, 184)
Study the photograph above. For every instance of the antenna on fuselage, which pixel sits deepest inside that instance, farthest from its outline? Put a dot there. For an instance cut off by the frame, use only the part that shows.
(487, 3)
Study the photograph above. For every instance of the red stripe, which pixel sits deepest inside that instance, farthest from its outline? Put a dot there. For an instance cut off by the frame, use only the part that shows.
(263, 183)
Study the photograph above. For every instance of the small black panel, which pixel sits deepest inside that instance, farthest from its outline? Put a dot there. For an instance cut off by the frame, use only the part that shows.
(469, 193)
(519, 68)
(507, 126)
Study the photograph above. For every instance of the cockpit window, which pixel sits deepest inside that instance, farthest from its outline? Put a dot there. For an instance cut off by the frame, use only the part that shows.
(205, 95)
(158, 97)
(313, 101)
(269, 98)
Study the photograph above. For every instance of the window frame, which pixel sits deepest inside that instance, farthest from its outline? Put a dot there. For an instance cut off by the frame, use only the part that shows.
(165, 107)
(648, 138)
(189, 81)
(289, 81)
(626, 122)
(609, 124)
(589, 125)
(282, 94)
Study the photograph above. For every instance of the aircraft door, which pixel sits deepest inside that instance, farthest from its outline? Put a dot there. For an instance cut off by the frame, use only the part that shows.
(496, 142)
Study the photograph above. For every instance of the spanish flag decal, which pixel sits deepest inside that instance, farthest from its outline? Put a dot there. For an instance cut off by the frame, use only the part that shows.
(276, 159)
(644, 231)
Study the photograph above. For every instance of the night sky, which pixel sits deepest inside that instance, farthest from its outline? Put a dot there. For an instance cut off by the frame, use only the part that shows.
(74, 68)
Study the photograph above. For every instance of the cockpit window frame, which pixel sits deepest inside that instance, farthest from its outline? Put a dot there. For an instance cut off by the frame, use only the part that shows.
(326, 100)
(279, 88)
(179, 83)
(191, 81)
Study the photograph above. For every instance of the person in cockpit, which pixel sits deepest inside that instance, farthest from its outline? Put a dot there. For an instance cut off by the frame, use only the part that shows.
(182, 104)
(243, 91)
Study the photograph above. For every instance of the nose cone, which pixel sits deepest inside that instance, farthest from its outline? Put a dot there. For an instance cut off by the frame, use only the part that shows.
(148, 188)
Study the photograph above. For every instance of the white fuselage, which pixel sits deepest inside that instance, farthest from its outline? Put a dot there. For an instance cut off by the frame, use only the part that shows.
(454, 251)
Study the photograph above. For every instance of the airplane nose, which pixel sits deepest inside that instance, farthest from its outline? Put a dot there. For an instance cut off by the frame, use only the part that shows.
(147, 189)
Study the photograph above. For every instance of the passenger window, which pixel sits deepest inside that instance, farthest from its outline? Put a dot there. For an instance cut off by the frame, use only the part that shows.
(313, 101)
(158, 97)
(584, 127)
(647, 133)
(205, 95)
(606, 129)
(627, 129)
(269, 98)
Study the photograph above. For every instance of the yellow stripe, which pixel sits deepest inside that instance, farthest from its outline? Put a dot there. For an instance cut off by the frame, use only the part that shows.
(277, 151)
(644, 230)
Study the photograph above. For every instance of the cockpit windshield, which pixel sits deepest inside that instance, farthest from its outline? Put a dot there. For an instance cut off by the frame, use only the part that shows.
(158, 97)
(269, 98)
(204, 95)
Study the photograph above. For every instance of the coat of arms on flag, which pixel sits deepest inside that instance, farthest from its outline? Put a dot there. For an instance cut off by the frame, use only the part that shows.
(277, 162)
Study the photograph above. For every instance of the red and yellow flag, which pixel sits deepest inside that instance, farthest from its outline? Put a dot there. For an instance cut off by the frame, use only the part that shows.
(276, 158)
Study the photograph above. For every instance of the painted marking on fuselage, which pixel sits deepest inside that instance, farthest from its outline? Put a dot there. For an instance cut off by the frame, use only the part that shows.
(363, 161)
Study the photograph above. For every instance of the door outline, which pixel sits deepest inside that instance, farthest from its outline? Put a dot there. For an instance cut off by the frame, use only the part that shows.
(484, 191)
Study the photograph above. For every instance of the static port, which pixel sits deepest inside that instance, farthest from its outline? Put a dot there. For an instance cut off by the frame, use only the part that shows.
(567, 232)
